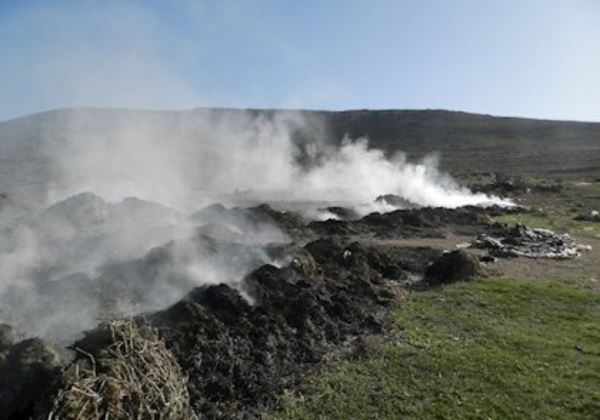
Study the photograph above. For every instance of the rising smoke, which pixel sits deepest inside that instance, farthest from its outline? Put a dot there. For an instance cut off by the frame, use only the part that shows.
(87, 239)
(97, 223)
(186, 160)
(88, 249)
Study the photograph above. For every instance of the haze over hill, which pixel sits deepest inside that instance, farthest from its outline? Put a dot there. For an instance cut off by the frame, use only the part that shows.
(88, 192)
(99, 142)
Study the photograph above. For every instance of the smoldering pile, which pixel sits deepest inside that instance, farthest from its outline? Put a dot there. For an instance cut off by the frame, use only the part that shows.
(242, 343)
(253, 295)
(91, 258)
(236, 303)
(423, 222)
(239, 356)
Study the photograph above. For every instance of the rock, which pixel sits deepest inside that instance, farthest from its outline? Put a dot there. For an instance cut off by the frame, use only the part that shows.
(452, 267)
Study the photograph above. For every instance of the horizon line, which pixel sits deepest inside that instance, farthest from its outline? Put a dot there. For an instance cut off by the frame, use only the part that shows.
(286, 109)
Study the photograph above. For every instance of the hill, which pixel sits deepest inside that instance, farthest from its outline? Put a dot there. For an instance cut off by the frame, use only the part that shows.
(466, 143)
(479, 142)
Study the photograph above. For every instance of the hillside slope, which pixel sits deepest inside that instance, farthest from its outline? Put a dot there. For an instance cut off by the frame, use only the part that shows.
(480, 142)
(466, 142)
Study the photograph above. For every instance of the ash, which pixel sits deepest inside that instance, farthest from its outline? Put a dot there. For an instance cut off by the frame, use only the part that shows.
(522, 241)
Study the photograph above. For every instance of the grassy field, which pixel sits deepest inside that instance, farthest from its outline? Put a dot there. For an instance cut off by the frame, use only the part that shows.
(561, 208)
(492, 349)
(558, 222)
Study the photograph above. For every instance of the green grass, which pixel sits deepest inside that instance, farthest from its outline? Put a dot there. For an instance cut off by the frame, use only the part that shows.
(492, 349)
(562, 210)
(587, 187)
(556, 221)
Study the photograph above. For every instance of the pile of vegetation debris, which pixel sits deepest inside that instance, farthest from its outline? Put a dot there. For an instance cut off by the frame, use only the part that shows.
(240, 355)
(125, 372)
(454, 266)
(423, 222)
(221, 352)
(230, 350)
(27, 368)
(407, 221)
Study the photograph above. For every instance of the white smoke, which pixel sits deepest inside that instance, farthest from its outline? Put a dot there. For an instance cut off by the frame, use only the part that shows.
(356, 175)
(63, 265)
(190, 159)
(183, 160)
(54, 254)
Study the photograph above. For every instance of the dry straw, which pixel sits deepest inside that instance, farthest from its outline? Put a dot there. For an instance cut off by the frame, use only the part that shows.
(135, 377)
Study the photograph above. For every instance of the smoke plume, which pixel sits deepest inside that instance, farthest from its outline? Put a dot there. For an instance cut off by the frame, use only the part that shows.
(107, 229)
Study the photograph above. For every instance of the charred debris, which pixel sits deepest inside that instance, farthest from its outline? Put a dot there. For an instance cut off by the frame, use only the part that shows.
(229, 350)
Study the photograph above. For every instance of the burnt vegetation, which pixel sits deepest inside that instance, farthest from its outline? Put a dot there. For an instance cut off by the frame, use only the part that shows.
(296, 293)
(240, 346)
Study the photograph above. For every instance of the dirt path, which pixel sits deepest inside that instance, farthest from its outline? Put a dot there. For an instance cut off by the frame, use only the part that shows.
(585, 267)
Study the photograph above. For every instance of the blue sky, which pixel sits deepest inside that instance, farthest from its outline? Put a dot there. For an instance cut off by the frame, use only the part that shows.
(534, 58)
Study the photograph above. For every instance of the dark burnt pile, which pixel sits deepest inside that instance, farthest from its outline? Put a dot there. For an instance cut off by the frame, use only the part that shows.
(141, 280)
(403, 223)
(424, 222)
(253, 221)
(454, 266)
(240, 356)
(27, 369)
(241, 344)
(156, 279)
